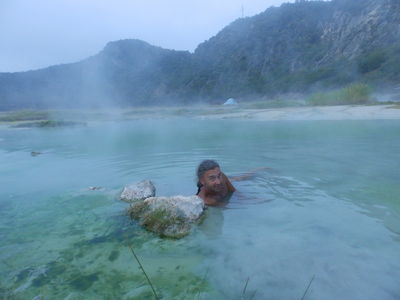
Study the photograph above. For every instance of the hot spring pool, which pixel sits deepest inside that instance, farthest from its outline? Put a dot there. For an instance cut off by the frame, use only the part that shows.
(327, 208)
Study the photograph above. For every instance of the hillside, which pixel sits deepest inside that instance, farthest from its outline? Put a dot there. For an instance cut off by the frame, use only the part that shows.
(125, 72)
(306, 46)
(300, 47)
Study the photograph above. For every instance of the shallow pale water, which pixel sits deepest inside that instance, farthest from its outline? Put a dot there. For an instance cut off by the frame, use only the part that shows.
(328, 208)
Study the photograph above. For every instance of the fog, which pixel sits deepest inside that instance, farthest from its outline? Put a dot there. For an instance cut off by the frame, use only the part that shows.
(135, 54)
(37, 34)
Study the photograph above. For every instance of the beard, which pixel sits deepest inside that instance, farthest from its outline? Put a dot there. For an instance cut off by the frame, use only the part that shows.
(219, 189)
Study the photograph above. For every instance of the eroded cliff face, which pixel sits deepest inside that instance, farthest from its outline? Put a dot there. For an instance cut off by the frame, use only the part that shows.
(297, 47)
(355, 29)
(306, 45)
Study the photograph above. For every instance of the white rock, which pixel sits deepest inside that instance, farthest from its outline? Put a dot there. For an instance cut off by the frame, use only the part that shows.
(142, 292)
(188, 207)
(138, 191)
(74, 296)
(168, 216)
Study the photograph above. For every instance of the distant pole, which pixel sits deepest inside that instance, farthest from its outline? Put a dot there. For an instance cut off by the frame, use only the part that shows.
(242, 11)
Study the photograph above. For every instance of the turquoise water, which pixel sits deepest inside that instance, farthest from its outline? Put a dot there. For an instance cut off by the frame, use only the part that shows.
(327, 207)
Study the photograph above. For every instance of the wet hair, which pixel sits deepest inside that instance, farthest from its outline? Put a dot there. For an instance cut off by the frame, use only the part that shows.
(203, 167)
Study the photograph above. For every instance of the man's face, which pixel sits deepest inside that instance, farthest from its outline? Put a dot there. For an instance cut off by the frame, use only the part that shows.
(212, 181)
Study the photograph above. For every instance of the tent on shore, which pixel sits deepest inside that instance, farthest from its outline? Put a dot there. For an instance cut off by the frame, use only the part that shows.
(231, 101)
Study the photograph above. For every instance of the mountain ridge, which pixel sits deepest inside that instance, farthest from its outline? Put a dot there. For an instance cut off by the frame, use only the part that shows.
(298, 47)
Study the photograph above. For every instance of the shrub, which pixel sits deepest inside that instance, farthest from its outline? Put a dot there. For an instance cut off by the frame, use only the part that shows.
(358, 93)
(327, 98)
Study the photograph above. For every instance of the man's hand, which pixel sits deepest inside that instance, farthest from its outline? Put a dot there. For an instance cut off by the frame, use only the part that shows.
(248, 175)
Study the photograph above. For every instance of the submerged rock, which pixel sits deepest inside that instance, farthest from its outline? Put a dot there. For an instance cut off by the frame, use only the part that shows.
(142, 292)
(171, 217)
(94, 188)
(74, 296)
(49, 123)
(35, 153)
(138, 191)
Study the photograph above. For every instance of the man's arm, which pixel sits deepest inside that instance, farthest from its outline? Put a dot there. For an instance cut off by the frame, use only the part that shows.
(248, 175)
(229, 185)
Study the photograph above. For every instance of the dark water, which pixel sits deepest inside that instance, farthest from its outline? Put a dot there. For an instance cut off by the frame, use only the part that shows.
(327, 207)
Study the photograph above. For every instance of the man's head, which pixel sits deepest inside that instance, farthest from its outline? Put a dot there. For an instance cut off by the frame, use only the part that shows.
(209, 176)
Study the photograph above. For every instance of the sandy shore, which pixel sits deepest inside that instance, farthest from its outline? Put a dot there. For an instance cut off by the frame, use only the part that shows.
(342, 112)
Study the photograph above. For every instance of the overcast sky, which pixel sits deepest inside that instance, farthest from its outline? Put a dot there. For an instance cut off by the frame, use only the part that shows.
(38, 33)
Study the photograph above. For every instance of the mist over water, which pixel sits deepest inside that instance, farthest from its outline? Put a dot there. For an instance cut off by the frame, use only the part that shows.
(327, 206)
